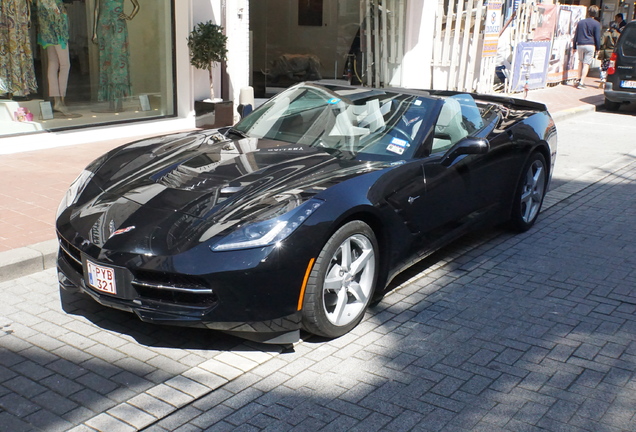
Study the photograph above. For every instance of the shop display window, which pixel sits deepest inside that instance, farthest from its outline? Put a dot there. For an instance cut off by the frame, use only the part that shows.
(355, 41)
(284, 41)
(76, 63)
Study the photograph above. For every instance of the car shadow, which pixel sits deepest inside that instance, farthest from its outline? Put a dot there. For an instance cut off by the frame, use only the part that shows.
(151, 334)
(452, 257)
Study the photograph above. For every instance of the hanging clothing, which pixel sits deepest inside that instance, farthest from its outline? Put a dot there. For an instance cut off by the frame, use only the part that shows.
(112, 37)
(52, 23)
(17, 73)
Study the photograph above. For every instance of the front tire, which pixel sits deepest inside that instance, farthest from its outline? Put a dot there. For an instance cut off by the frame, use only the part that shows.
(530, 193)
(342, 281)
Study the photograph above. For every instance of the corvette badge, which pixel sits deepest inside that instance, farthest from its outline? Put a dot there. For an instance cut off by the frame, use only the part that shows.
(122, 231)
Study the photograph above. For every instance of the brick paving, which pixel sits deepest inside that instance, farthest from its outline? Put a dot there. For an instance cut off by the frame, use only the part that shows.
(33, 184)
(531, 332)
(565, 98)
(498, 332)
(71, 364)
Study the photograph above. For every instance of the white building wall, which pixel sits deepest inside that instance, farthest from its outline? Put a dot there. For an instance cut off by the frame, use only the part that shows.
(237, 28)
(203, 11)
(233, 15)
(185, 73)
(418, 44)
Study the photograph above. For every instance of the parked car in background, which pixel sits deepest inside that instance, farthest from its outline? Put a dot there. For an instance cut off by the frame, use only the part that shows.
(300, 215)
(620, 87)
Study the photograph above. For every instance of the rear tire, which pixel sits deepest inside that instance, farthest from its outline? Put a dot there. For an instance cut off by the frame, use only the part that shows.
(342, 281)
(611, 106)
(530, 193)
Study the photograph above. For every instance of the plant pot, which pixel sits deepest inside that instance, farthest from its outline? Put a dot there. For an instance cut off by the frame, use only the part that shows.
(214, 114)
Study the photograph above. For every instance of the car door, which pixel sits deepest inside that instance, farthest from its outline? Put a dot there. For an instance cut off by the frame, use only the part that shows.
(438, 192)
(449, 201)
(485, 169)
(432, 199)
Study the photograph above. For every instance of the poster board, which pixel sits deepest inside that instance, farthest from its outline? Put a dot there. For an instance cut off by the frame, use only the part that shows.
(530, 70)
(546, 22)
(563, 64)
(492, 29)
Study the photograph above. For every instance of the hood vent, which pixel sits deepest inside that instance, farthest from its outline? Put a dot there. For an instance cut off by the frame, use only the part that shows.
(194, 179)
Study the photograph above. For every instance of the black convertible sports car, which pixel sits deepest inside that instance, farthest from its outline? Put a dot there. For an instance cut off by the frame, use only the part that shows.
(301, 214)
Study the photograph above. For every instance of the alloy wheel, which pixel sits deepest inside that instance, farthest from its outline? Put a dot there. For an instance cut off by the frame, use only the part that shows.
(349, 280)
(533, 191)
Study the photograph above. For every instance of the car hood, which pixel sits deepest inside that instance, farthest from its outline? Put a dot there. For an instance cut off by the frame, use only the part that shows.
(195, 186)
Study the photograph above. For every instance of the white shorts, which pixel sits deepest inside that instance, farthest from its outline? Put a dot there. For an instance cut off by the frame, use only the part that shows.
(586, 53)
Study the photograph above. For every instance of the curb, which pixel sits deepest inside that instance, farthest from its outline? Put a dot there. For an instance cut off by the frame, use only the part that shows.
(27, 260)
(41, 256)
(571, 112)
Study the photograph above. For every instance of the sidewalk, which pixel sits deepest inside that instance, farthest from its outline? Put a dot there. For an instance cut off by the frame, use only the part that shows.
(33, 184)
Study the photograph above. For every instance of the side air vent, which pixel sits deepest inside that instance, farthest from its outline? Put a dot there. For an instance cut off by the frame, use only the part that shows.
(175, 289)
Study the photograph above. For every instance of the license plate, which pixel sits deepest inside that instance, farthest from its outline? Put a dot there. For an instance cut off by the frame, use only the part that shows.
(101, 278)
(628, 84)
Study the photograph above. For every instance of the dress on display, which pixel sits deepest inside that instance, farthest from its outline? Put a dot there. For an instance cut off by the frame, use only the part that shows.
(52, 23)
(17, 74)
(112, 36)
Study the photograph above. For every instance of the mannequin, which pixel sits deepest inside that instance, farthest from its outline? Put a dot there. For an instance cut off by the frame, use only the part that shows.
(53, 37)
(111, 34)
(17, 74)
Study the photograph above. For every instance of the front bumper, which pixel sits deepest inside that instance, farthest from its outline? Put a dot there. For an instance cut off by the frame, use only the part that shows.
(195, 307)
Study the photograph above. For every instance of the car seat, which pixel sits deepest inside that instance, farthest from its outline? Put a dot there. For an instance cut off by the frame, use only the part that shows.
(449, 128)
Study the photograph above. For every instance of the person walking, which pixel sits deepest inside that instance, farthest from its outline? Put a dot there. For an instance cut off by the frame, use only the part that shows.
(587, 40)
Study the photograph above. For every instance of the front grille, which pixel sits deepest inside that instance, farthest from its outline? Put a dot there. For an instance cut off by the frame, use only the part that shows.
(175, 297)
(72, 255)
(173, 288)
(156, 286)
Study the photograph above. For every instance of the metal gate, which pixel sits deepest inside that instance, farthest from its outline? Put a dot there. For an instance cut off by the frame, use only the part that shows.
(382, 40)
(457, 61)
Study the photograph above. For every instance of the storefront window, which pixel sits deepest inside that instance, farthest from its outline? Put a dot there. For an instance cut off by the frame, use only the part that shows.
(78, 63)
(358, 41)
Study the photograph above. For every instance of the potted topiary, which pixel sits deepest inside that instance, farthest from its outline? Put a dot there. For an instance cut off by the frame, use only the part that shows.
(207, 45)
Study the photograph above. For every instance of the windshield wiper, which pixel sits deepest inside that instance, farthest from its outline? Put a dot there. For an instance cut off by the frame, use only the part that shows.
(232, 130)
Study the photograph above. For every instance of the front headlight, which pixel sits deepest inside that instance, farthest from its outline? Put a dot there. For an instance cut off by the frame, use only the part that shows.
(74, 190)
(268, 232)
(78, 185)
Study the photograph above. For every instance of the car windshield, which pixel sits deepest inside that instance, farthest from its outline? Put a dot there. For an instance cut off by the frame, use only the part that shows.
(368, 124)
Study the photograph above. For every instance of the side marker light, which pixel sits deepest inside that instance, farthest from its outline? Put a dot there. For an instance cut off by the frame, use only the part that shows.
(304, 285)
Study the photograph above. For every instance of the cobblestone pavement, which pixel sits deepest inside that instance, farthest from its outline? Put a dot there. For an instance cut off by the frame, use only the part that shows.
(497, 332)
(502, 333)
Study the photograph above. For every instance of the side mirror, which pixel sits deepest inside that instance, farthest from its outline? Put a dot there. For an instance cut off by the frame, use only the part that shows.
(467, 146)
(244, 110)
